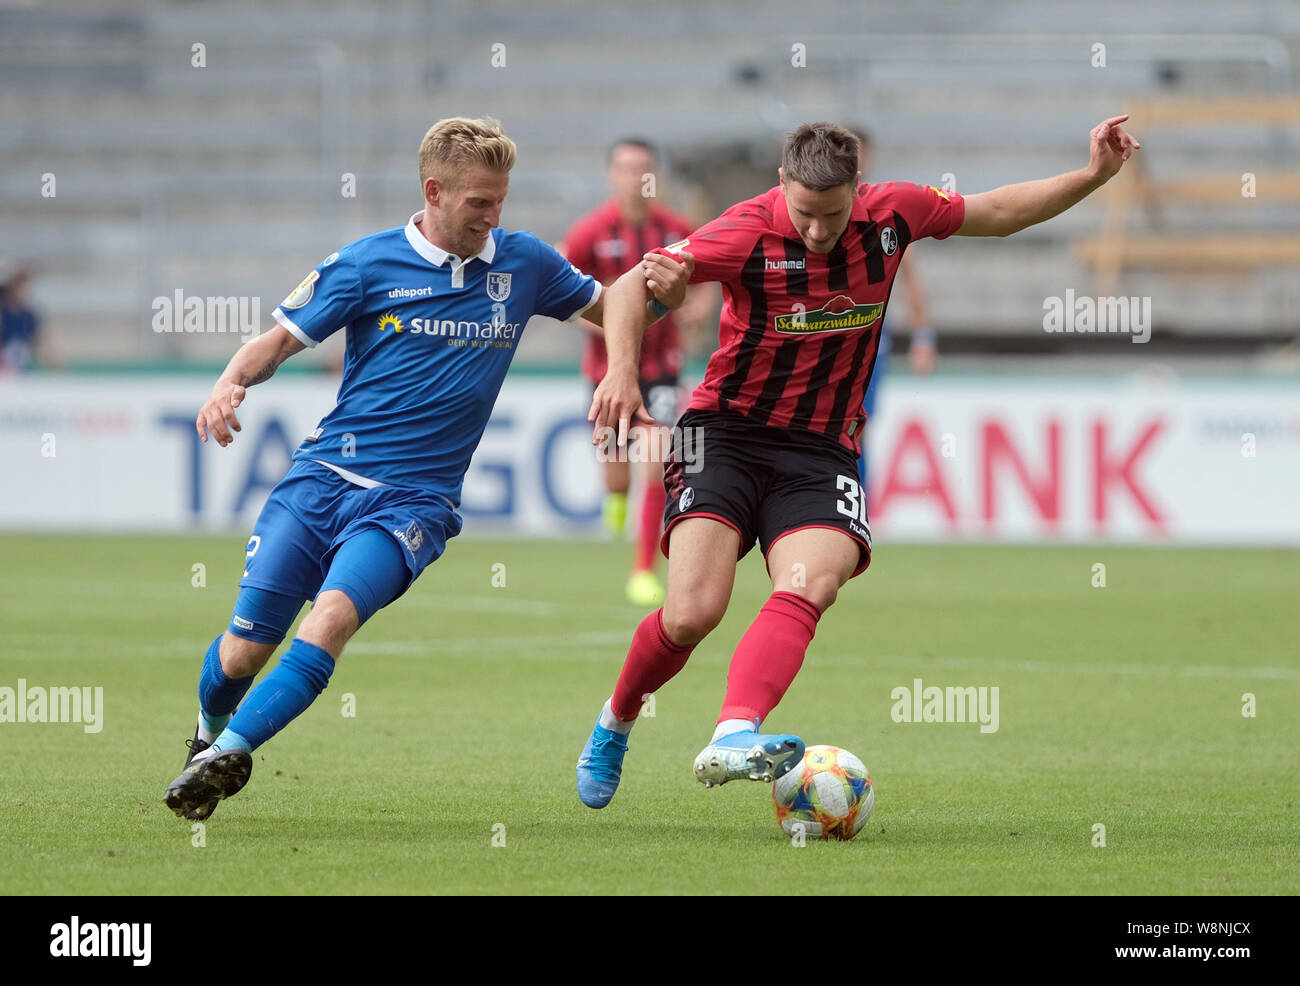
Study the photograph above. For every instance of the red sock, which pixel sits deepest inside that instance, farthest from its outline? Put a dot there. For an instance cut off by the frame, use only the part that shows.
(652, 519)
(651, 661)
(768, 656)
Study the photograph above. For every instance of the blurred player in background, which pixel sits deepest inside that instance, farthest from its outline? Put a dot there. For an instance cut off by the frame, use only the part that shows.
(604, 243)
(922, 353)
(434, 312)
(767, 448)
(22, 343)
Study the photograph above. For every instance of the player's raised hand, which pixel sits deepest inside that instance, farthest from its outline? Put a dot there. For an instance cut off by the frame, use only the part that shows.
(667, 278)
(1111, 147)
(614, 407)
(219, 412)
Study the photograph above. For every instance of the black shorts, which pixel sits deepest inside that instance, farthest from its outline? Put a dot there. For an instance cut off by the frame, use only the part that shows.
(763, 482)
(662, 399)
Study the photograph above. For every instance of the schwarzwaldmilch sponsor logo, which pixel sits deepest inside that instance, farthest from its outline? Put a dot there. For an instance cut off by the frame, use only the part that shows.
(840, 314)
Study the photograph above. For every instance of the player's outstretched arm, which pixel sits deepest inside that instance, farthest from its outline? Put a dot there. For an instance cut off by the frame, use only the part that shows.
(624, 314)
(1011, 208)
(253, 363)
(665, 278)
(623, 309)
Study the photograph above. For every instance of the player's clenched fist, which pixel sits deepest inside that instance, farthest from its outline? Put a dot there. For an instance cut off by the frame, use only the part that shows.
(219, 412)
(616, 404)
(667, 278)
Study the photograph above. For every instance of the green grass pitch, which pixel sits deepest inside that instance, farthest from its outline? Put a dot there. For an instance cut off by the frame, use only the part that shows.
(1119, 706)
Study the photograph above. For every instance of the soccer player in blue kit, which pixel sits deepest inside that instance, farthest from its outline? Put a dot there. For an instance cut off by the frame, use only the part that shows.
(434, 312)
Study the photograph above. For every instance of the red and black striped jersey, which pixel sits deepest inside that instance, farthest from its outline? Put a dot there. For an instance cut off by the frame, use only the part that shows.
(799, 330)
(604, 244)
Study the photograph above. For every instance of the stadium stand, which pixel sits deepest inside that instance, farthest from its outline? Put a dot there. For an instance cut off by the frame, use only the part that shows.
(225, 180)
(1247, 204)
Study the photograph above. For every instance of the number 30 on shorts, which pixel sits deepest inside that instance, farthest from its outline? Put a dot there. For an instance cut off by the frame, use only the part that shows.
(853, 503)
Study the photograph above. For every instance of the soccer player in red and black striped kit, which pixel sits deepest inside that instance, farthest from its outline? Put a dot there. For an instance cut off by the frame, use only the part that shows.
(604, 243)
(766, 449)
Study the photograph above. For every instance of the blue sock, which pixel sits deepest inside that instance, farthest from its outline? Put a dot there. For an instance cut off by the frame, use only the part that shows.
(280, 697)
(218, 695)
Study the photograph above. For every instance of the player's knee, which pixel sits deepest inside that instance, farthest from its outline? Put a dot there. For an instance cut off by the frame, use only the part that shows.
(820, 590)
(689, 623)
(241, 657)
(332, 621)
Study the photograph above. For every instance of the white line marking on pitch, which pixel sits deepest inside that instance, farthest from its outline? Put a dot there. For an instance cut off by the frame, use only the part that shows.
(564, 641)
(494, 602)
(1067, 667)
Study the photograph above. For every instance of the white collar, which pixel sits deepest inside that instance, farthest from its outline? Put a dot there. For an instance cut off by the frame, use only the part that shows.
(436, 255)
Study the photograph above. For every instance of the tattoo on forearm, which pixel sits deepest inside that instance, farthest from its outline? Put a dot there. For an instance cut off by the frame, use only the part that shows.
(263, 374)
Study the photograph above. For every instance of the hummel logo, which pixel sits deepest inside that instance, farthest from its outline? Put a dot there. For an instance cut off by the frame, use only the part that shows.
(784, 264)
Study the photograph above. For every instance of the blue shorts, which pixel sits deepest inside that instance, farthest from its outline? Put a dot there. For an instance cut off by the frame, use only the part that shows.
(308, 517)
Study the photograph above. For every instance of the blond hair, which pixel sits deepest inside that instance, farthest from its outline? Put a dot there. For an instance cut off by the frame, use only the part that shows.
(820, 156)
(457, 143)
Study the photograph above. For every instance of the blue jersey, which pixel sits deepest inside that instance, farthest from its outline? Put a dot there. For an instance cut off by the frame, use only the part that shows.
(429, 339)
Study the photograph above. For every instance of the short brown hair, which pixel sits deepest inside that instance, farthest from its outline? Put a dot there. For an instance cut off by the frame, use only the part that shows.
(453, 144)
(820, 156)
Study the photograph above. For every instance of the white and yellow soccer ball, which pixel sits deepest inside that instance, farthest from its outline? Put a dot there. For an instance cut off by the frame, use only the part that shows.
(829, 794)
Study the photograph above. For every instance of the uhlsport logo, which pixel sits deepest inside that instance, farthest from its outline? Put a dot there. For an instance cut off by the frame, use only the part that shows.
(840, 314)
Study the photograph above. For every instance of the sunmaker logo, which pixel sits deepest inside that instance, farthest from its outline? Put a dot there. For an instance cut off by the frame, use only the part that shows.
(495, 332)
(840, 314)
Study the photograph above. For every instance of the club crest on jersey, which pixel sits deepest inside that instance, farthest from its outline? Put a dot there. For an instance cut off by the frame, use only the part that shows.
(840, 314)
(889, 241)
(498, 286)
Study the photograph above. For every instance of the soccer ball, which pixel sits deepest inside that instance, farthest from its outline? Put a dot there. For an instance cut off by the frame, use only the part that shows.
(829, 794)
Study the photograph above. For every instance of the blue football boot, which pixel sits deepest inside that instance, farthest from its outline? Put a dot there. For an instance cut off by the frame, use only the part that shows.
(748, 755)
(601, 765)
